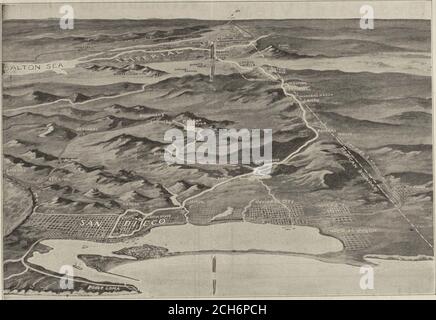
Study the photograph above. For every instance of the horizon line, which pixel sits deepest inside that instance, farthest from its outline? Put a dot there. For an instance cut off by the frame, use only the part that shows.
(223, 20)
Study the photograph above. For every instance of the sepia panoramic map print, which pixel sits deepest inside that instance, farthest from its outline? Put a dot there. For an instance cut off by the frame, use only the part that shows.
(217, 150)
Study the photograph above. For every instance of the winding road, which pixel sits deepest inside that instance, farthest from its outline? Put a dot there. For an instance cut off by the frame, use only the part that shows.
(258, 172)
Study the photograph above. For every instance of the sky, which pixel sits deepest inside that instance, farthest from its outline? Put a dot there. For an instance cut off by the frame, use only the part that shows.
(221, 10)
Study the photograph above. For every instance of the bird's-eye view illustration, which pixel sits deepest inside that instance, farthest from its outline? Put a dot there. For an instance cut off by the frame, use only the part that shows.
(91, 206)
